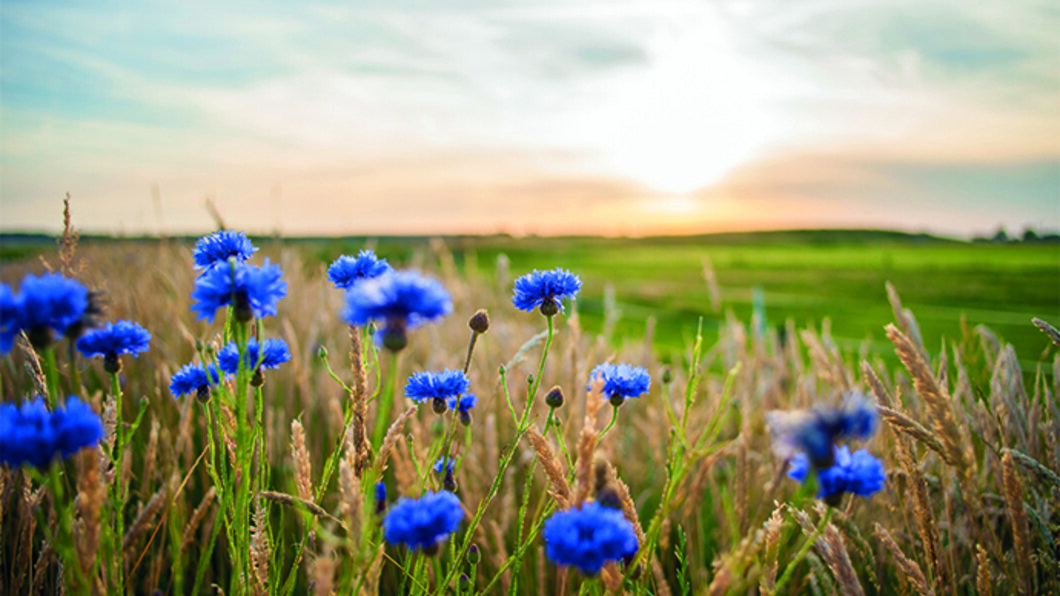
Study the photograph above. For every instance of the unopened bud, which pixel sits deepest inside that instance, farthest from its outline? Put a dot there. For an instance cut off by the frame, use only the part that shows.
(473, 555)
(395, 339)
(241, 308)
(465, 417)
(480, 321)
(549, 307)
(322, 352)
(39, 336)
(609, 498)
(554, 397)
(448, 482)
(439, 405)
(111, 363)
(667, 376)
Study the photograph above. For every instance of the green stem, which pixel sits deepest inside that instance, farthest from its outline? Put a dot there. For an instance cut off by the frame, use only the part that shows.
(63, 542)
(219, 485)
(789, 571)
(507, 394)
(614, 417)
(240, 549)
(332, 461)
(51, 377)
(483, 505)
(324, 358)
(558, 433)
(382, 416)
(540, 371)
(470, 351)
(119, 484)
(75, 374)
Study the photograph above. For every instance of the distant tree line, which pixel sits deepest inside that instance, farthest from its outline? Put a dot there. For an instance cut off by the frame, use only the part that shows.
(1029, 236)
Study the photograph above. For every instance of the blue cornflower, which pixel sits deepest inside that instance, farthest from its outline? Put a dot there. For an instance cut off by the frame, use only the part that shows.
(859, 473)
(425, 522)
(621, 381)
(253, 292)
(123, 337)
(45, 303)
(439, 387)
(816, 431)
(464, 404)
(33, 435)
(399, 301)
(192, 378)
(589, 537)
(215, 249)
(446, 463)
(545, 289)
(273, 352)
(380, 497)
(463, 407)
(347, 270)
(8, 318)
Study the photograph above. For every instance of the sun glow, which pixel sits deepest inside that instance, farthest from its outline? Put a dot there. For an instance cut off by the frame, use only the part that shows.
(699, 110)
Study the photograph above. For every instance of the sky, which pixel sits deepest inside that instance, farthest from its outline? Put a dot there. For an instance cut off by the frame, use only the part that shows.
(617, 117)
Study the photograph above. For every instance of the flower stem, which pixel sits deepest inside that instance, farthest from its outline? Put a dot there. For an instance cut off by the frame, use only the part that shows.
(75, 374)
(614, 417)
(799, 556)
(119, 484)
(382, 412)
(470, 350)
(51, 377)
(540, 371)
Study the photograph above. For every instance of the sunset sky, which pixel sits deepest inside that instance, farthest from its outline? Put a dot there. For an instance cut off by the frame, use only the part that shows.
(547, 117)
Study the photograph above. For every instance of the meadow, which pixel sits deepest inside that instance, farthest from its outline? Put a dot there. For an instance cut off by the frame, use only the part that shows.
(271, 488)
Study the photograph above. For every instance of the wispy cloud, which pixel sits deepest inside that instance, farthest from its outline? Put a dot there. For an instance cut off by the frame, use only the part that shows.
(470, 114)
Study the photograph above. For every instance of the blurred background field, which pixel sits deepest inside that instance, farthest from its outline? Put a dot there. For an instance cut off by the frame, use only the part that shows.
(809, 276)
(641, 302)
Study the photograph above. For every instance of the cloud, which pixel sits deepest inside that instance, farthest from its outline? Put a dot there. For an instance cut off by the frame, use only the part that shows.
(471, 114)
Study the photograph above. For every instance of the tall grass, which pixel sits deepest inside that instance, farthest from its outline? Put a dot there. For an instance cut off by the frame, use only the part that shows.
(971, 451)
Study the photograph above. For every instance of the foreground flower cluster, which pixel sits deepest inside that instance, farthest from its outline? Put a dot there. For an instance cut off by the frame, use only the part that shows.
(381, 435)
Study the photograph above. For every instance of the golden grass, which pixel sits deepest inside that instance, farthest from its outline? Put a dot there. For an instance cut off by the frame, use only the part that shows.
(969, 446)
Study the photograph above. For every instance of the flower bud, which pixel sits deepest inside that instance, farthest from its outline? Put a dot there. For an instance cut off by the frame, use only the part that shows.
(667, 376)
(111, 363)
(439, 405)
(322, 352)
(549, 307)
(480, 321)
(554, 397)
(395, 339)
(473, 555)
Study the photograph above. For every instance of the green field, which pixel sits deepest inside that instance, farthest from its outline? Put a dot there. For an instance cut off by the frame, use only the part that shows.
(805, 276)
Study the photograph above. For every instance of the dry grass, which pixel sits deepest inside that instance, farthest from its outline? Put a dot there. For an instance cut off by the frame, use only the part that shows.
(970, 449)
